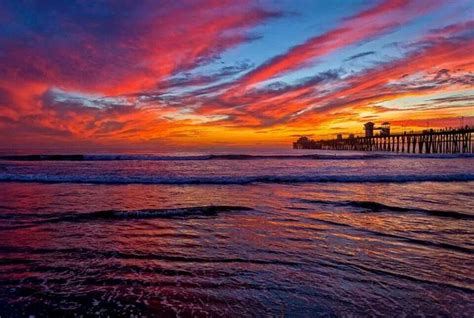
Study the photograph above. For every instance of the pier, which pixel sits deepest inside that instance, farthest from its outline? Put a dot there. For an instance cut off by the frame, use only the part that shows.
(430, 141)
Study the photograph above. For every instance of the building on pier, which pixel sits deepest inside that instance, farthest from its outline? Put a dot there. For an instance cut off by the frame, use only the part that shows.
(385, 129)
(305, 143)
(370, 127)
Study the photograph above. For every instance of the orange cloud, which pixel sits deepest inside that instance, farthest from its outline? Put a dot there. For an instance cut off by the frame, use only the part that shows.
(114, 82)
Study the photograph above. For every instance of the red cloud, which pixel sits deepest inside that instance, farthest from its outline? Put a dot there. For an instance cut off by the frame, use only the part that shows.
(383, 82)
(145, 46)
(150, 46)
(136, 50)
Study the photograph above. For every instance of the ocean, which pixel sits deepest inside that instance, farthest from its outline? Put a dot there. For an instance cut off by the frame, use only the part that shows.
(292, 234)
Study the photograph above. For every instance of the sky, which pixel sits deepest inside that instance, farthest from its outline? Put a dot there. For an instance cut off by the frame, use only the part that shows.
(225, 74)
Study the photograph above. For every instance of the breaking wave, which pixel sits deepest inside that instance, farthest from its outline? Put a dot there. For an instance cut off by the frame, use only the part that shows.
(380, 207)
(237, 180)
(183, 158)
(119, 157)
(197, 211)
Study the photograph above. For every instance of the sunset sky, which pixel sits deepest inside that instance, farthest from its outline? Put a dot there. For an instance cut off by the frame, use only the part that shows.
(202, 74)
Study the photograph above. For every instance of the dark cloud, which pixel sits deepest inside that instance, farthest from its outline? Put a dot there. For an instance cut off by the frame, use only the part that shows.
(185, 79)
(442, 75)
(454, 99)
(357, 56)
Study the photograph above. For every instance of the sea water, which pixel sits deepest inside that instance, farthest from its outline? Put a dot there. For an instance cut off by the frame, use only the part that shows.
(255, 234)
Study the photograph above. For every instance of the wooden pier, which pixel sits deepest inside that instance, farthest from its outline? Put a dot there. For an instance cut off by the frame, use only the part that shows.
(426, 142)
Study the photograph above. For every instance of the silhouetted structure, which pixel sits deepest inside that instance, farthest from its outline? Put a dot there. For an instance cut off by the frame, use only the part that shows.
(428, 141)
(370, 127)
(385, 129)
(306, 143)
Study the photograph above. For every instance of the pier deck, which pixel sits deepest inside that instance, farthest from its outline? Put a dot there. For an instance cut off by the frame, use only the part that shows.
(426, 142)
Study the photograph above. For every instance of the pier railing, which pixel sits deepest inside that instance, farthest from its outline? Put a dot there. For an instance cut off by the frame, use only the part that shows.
(426, 142)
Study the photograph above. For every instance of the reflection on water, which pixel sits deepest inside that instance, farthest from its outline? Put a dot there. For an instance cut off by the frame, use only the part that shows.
(295, 249)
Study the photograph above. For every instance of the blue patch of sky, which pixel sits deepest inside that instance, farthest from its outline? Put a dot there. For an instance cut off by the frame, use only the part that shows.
(382, 45)
(307, 19)
(276, 36)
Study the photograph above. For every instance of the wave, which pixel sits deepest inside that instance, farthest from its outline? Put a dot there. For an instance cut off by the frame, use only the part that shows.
(80, 157)
(118, 157)
(166, 213)
(232, 180)
(380, 207)
(187, 212)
